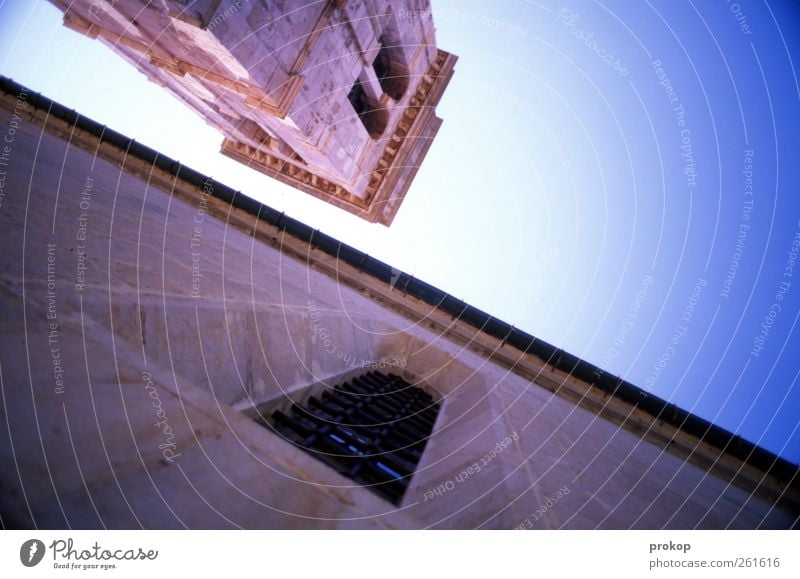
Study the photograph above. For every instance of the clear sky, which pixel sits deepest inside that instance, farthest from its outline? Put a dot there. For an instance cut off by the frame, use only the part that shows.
(619, 179)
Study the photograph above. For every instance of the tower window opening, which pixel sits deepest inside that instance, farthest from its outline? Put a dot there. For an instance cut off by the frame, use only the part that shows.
(373, 117)
(392, 76)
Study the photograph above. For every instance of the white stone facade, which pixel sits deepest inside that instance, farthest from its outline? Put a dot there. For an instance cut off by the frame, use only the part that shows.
(334, 98)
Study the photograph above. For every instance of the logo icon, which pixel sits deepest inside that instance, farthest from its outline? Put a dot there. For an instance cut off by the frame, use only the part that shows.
(31, 552)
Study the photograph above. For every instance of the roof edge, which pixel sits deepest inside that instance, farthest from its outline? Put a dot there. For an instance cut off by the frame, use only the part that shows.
(404, 287)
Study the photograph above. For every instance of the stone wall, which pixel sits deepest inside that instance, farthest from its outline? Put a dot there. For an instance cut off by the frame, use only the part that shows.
(142, 344)
(138, 320)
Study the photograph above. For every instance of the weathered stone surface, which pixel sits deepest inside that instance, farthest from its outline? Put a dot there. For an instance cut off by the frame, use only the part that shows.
(141, 342)
(287, 70)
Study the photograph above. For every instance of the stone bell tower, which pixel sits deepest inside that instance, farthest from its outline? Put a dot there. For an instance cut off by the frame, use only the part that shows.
(335, 98)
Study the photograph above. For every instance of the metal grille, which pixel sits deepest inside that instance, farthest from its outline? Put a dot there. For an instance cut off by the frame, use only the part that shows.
(372, 430)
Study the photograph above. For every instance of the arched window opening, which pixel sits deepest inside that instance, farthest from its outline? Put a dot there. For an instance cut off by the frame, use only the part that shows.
(389, 64)
(373, 117)
(392, 75)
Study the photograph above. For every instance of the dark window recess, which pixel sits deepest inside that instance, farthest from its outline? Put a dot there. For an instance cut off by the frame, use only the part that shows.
(372, 430)
(382, 64)
(392, 77)
(373, 118)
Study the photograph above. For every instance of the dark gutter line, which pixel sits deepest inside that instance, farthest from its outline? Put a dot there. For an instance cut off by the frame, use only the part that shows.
(658, 408)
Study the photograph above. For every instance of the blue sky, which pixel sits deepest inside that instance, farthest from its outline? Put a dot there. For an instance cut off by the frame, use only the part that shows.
(619, 179)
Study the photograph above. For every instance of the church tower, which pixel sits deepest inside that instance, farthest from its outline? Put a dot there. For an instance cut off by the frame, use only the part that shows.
(334, 98)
